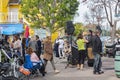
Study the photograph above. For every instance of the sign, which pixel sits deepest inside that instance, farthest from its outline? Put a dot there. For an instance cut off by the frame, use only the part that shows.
(42, 33)
(10, 29)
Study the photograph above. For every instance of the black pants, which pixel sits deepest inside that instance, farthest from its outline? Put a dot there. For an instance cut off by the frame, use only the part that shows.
(81, 57)
(38, 53)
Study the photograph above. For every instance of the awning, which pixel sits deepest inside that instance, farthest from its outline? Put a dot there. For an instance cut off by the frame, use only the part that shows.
(10, 29)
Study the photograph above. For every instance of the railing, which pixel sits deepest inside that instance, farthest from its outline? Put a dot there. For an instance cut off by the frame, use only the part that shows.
(11, 17)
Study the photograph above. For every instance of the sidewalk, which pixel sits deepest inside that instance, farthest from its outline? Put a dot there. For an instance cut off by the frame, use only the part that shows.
(74, 74)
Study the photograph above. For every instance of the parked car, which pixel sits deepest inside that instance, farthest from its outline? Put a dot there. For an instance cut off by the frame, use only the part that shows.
(110, 47)
(104, 40)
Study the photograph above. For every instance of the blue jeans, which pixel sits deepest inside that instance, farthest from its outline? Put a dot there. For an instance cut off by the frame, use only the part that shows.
(97, 62)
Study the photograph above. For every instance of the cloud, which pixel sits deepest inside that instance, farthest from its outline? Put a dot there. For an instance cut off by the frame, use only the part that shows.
(82, 9)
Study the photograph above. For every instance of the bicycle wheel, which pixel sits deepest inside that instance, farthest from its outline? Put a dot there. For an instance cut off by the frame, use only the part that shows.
(10, 78)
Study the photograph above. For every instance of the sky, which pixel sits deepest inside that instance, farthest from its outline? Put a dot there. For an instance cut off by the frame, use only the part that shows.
(82, 9)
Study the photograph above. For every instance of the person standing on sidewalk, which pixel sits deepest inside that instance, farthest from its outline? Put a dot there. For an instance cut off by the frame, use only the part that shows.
(56, 45)
(33, 44)
(97, 49)
(61, 48)
(17, 45)
(39, 46)
(81, 48)
(89, 45)
(23, 47)
(48, 53)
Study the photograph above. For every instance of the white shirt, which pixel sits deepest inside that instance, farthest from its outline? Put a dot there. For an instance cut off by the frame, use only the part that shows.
(61, 43)
(17, 44)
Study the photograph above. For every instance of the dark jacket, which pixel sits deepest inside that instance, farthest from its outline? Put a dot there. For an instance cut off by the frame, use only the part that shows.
(56, 45)
(96, 44)
(39, 45)
(89, 44)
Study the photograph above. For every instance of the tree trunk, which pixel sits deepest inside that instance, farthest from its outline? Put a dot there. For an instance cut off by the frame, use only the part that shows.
(113, 32)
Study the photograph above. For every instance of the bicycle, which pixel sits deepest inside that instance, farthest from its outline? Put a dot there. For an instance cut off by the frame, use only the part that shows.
(15, 66)
(4, 72)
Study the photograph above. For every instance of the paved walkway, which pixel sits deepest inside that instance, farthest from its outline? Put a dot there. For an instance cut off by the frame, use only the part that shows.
(74, 74)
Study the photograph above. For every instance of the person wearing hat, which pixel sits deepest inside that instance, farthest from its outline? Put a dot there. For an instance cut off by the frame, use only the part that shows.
(89, 44)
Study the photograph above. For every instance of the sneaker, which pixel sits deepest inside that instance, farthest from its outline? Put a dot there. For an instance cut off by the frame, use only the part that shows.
(56, 71)
(60, 58)
(45, 72)
(100, 72)
(94, 72)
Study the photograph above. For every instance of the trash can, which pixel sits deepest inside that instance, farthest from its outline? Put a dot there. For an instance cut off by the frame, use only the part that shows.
(117, 64)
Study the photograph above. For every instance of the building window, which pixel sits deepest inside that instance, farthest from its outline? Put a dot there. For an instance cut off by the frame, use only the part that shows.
(13, 15)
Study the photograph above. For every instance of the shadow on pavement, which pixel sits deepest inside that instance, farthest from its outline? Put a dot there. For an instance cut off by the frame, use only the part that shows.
(108, 68)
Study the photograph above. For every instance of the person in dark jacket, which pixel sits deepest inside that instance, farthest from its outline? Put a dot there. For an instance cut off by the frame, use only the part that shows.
(97, 49)
(23, 47)
(56, 45)
(89, 45)
(39, 46)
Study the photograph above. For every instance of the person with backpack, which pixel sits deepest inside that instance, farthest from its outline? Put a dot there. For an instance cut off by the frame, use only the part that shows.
(89, 49)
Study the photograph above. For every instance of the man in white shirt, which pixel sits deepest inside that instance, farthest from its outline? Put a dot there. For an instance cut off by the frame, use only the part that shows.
(60, 48)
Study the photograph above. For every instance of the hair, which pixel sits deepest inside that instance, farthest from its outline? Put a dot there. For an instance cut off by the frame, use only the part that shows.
(97, 32)
(48, 37)
(6, 37)
(91, 32)
(29, 50)
(16, 37)
(24, 41)
(80, 36)
(37, 36)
